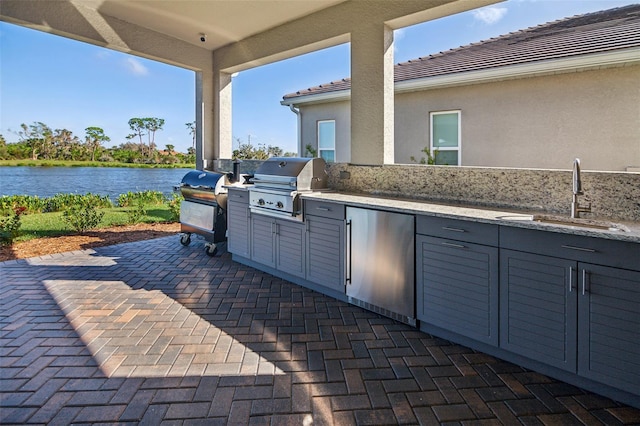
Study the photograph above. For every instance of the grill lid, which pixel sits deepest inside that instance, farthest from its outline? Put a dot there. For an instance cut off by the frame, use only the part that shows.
(205, 187)
(302, 174)
(283, 166)
(205, 181)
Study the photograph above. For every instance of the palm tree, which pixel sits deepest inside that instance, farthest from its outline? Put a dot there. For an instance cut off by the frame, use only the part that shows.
(94, 139)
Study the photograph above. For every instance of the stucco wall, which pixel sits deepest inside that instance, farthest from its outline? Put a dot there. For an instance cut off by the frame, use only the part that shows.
(541, 122)
(341, 113)
(536, 122)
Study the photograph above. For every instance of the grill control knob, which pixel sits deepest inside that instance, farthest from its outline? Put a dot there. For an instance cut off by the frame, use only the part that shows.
(261, 202)
(279, 205)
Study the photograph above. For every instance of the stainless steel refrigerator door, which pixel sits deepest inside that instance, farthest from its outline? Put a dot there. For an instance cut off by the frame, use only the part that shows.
(381, 259)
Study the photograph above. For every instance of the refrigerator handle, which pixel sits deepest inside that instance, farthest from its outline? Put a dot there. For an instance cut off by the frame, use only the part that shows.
(348, 277)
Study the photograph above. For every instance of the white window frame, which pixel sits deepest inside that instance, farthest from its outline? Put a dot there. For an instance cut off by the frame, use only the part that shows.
(431, 129)
(320, 150)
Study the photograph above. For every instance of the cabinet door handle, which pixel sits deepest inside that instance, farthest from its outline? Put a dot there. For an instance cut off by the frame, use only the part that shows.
(324, 209)
(570, 279)
(585, 279)
(454, 245)
(588, 250)
(446, 228)
(348, 277)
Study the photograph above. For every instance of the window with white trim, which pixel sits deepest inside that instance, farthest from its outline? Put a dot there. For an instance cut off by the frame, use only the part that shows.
(445, 137)
(327, 140)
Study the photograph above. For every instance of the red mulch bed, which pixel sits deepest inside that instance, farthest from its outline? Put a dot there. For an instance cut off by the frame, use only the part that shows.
(89, 239)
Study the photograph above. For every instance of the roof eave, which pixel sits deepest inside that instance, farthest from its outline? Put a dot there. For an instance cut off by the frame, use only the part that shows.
(554, 66)
(335, 96)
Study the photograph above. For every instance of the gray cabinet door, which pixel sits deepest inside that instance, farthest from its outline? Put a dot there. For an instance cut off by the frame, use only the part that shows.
(458, 287)
(538, 312)
(238, 228)
(325, 252)
(290, 247)
(262, 230)
(609, 326)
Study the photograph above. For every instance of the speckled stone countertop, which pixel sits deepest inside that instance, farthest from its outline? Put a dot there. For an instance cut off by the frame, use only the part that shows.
(238, 186)
(627, 231)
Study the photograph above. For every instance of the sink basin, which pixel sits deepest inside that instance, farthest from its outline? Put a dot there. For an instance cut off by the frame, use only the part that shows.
(566, 221)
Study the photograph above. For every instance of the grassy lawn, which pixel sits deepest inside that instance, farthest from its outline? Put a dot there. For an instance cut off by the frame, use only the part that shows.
(52, 224)
(62, 163)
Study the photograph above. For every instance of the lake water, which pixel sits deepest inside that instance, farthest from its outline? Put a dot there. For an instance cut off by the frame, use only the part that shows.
(111, 181)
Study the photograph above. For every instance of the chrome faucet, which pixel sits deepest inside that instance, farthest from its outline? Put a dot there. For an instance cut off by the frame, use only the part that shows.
(576, 208)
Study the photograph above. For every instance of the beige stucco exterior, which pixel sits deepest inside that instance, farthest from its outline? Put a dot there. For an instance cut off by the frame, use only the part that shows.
(341, 113)
(535, 122)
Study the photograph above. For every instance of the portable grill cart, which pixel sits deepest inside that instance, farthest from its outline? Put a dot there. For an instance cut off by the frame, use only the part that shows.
(203, 210)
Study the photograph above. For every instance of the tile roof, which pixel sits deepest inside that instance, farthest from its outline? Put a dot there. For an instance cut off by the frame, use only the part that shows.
(597, 32)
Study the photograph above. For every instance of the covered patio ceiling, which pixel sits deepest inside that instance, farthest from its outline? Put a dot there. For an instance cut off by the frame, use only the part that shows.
(222, 22)
(239, 35)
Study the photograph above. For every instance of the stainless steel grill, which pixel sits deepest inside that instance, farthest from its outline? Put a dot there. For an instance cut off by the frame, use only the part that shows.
(203, 210)
(279, 181)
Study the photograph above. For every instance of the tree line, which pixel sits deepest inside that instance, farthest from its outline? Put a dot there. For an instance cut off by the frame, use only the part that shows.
(39, 141)
(248, 151)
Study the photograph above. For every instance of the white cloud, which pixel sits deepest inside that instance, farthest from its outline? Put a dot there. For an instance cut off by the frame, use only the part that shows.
(136, 67)
(490, 15)
(102, 54)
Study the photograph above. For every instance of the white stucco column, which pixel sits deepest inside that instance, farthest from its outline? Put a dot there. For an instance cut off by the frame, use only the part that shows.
(372, 95)
(222, 131)
(213, 117)
(200, 120)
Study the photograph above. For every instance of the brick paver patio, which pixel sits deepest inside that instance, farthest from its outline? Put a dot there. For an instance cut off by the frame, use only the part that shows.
(156, 333)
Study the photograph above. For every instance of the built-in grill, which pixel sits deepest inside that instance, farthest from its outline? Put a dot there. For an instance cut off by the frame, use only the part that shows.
(203, 210)
(279, 181)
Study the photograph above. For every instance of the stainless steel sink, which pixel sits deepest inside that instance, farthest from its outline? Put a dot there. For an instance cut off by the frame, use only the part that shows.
(566, 221)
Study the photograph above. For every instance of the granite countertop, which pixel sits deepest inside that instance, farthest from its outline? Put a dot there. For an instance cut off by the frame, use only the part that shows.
(239, 186)
(627, 231)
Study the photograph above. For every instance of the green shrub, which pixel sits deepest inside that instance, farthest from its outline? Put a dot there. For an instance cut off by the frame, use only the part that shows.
(33, 204)
(10, 226)
(136, 213)
(30, 203)
(61, 202)
(174, 206)
(147, 197)
(82, 216)
(431, 156)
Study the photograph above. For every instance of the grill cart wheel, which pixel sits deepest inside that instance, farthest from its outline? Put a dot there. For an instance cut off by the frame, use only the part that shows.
(210, 249)
(185, 239)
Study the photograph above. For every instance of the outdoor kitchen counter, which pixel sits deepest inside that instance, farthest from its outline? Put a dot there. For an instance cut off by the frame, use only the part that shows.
(239, 186)
(630, 231)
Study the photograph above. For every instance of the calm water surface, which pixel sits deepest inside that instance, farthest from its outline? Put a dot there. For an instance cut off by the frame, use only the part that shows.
(48, 181)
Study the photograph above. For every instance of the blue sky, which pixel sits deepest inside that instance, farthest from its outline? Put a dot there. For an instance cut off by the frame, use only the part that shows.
(74, 85)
